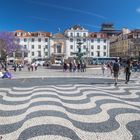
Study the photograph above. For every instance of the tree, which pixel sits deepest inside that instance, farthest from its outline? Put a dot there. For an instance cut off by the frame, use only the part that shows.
(8, 45)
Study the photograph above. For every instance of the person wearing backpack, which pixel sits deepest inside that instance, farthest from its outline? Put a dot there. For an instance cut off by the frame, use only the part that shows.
(116, 68)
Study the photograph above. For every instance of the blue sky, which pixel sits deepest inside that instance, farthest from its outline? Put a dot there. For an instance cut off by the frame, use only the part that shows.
(49, 15)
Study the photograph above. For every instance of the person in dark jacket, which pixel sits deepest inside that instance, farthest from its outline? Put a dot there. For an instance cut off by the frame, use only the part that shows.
(127, 71)
(116, 69)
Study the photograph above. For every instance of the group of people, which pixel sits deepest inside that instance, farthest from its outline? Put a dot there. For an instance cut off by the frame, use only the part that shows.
(17, 66)
(72, 66)
(115, 69)
(32, 66)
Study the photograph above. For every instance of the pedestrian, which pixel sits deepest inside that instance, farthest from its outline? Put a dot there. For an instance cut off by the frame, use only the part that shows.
(7, 74)
(1, 74)
(103, 68)
(36, 65)
(32, 66)
(29, 67)
(15, 67)
(20, 67)
(78, 66)
(116, 68)
(70, 66)
(127, 71)
(85, 66)
(74, 66)
(65, 66)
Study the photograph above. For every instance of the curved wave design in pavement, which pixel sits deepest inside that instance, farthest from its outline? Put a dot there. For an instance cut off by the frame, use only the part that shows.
(70, 112)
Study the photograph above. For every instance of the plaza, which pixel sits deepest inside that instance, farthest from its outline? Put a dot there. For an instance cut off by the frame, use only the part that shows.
(50, 104)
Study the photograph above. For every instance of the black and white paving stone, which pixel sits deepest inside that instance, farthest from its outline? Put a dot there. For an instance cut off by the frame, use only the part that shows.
(70, 112)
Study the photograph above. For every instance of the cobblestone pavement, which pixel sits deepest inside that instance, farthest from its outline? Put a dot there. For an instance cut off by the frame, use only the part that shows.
(90, 72)
(70, 111)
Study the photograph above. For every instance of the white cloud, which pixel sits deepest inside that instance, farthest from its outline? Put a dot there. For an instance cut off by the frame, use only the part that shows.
(67, 8)
(138, 10)
(91, 25)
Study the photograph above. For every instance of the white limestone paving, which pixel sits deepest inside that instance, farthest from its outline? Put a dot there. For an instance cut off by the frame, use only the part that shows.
(70, 108)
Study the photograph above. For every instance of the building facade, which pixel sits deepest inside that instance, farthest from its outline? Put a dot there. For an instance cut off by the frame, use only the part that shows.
(62, 45)
(126, 44)
(34, 44)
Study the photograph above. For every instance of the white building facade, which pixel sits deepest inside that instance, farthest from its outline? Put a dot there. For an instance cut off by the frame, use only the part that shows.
(62, 45)
(94, 44)
(36, 44)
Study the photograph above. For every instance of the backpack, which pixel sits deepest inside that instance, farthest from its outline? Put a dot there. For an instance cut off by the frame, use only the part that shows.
(116, 67)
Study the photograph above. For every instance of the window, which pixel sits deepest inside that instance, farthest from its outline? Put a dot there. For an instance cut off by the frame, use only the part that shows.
(71, 46)
(25, 39)
(98, 53)
(92, 40)
(71, 34)
(98, 40)
(84, 34)
(46, 39)
(84, 46)
(104, 40)
(98, 47)
(46, 53)
(46, 46)
(39, 53)
(39, 39)
(84, 40)
(104, 47)
(71, 53)
(39, 46)
(33, 53)
(92, 47)
(78, 34)
(104, 53)
(78, 40)
(33, 47)
(71, 40)
(92, 54)
(33, 39)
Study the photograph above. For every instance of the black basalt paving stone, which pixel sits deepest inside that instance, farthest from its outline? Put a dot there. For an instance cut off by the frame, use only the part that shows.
(134, 128)
(106, 126)
(41, 130)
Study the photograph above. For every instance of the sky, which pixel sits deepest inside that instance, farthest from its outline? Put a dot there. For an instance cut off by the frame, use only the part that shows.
(49, 15)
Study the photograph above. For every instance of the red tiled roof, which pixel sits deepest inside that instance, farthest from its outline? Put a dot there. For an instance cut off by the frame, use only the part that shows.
(98, 35)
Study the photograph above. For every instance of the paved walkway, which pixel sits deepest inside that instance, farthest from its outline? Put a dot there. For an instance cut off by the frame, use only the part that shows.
(90, 73)
(77, 108)
(76, 112)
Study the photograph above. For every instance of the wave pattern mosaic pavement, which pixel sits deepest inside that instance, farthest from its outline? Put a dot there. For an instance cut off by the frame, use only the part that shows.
(70, 112)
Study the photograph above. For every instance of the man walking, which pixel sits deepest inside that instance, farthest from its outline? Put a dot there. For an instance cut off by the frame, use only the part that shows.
(116, 68)
(127, 71)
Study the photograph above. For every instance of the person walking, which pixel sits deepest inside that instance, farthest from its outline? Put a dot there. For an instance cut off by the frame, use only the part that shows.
(36, 66)
(103, 68)
(127, 71)
(116, 68)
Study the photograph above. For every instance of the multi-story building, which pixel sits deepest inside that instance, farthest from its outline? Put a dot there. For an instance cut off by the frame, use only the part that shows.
(35, 44)
(63, 45)
(134, 45)
(126, 44)
(93, 43)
